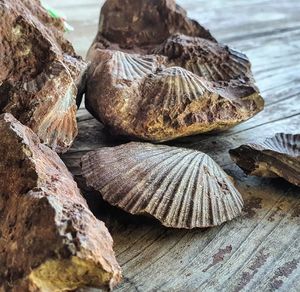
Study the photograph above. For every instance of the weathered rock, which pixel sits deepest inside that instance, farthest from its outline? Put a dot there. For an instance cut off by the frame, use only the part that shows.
(155, 75)
(138, 25)
(278, 156)
(38, 72)
(182, 188)
(49, 239)
(145, 97)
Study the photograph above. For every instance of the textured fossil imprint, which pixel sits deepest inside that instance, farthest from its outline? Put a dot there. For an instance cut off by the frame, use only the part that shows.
(181, 188)
(278, 156)
(156, 75)
(38, 73)
(50, 240)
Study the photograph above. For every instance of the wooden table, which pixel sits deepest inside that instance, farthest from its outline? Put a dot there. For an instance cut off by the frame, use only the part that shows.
(260, 251)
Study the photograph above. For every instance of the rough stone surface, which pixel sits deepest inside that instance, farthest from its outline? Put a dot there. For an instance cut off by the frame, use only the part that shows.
(155, 75)
(146, 97)
(38, 72)
(138, 25)
(49, 239)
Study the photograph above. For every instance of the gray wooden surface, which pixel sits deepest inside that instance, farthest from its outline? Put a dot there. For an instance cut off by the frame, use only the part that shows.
(260, 251)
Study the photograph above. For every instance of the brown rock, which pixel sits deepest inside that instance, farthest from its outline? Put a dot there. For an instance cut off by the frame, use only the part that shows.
(146, 97)
(137, 25)
(38, 72)
(278, 156)
(49, 239)
(156, 75)
(182, 188)
(213, 61)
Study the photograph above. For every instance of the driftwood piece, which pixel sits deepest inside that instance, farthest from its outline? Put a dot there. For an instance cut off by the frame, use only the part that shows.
(39, 69)
(50, 240)
(278, 156)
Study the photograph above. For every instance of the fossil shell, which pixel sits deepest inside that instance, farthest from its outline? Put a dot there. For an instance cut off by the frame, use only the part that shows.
(39, 71)
(155, 75)
(207, 59)
(50, 240)
(142, 97)
(131, 24)
(181, 188)
(276, 156)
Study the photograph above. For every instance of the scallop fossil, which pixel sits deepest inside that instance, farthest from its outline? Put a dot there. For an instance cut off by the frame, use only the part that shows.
(181, 188)
(50, 240)
(131, 24)
(196, 84)
(142, 97)
(39, 70)
(210, 60)
(278, 156)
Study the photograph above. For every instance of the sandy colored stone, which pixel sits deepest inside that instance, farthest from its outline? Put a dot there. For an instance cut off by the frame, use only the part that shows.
(50, 240)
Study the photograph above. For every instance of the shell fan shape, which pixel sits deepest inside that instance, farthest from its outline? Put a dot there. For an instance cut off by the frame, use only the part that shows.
(278, 156)
(181, 188)
(166, 78)
(39, 72)
(147, 98)
(210, 60)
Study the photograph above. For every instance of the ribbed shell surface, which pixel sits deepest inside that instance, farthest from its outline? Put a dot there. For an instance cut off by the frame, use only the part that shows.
(210, 60)
(181, 188)
(275, 156)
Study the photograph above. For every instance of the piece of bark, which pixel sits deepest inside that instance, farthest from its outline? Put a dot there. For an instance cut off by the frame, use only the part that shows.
(182, 188)
(138, 25)
(146, 97)
(39, 72)
(278, 156)
(49, 239)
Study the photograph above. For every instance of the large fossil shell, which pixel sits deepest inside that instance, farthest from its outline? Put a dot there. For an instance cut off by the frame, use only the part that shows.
(210, 60)
(276, 156)
(39, 71)
(181, 188)
(142, 97)
(50, 240)
(131, 24)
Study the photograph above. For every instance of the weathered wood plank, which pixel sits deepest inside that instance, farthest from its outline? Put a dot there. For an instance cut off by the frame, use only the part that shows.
(258, 251)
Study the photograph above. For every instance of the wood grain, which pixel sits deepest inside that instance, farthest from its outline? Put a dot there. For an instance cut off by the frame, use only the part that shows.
(259, 251)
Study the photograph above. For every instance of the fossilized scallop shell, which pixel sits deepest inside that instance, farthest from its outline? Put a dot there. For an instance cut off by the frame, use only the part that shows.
(276, 156)
(181, 188)
(39, 69)
(207, 59)
(143, 97)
